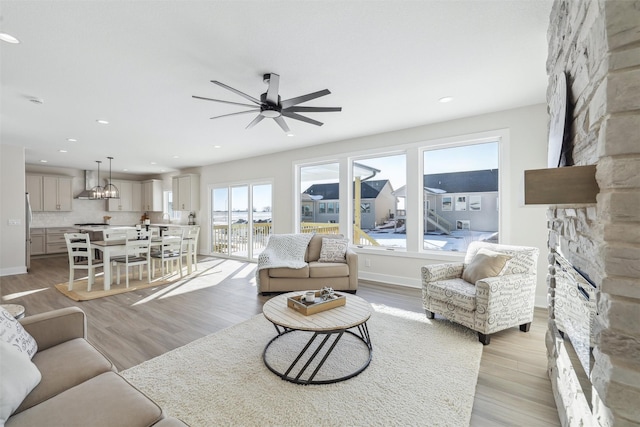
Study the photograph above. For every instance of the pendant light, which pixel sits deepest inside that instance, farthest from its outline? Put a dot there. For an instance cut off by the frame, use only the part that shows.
(110, 190)
(97, 192)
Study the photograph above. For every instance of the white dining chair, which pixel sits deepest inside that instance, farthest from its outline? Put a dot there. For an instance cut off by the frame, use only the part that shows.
(168, 251)
(190, 244)
(137, 253)
(81, 257)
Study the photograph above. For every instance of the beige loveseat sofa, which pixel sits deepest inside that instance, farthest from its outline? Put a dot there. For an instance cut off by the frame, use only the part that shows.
(341, 276)
(79, 385)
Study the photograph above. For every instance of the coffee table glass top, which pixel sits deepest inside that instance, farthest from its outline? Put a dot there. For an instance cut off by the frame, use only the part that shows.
(355, 312)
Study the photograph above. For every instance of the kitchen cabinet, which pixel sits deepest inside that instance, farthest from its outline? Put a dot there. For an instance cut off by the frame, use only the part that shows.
(55, 239)
(152, 195)
(186, 192)
(34, 188)
(38, 246)
(56, 193)
(129, 200)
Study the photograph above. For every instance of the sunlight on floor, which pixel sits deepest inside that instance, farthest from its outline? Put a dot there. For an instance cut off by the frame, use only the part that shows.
(209, 274)
(21, 294)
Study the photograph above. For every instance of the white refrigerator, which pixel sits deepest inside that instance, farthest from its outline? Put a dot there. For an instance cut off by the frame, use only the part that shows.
(27, 223)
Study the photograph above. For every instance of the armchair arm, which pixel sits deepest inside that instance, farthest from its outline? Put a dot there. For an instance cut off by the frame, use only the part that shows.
(446, 271)
(55, 327)
(504, 301)
(352, 262)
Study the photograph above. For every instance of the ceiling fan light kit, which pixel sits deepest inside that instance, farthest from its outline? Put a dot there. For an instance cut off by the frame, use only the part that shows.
(271, 106)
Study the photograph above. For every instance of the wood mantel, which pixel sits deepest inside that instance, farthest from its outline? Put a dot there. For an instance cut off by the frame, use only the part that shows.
(557, 186)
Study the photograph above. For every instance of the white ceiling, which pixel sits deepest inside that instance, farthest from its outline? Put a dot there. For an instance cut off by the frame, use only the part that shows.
(137, 64)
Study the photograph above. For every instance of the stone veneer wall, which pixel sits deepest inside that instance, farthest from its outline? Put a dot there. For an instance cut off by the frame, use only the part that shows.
(597, 43)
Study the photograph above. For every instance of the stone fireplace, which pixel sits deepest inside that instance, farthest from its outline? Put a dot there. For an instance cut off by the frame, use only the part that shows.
(597, 44)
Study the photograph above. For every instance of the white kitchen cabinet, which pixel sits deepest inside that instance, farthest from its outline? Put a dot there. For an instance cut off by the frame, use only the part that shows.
(34, 188)
(186, 192)
(129, 200)
(38, 246)
(55, 239)
(152, 195)
(56, 193)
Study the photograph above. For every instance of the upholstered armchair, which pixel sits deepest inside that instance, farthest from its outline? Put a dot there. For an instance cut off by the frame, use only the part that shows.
(493, 289)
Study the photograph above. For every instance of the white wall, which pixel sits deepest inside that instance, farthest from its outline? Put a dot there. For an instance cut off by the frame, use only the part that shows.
(12, 208)
(524, 131)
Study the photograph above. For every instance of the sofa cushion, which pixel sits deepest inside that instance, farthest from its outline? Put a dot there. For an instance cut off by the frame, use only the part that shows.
(290, 272)
(328, 269)
(485, 263)
(456, 292)
(106, 400)
(315, 245)
(64, 366)
(19, 377)
(333, 250)
(12, 332)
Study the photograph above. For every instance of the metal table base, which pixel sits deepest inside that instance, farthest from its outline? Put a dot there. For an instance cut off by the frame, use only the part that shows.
(323, 351)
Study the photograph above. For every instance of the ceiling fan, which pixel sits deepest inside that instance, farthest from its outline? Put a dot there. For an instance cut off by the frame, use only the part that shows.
(269, 105)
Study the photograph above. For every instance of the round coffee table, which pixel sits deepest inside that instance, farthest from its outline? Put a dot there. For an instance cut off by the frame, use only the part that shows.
(16, 310)
(330, 326)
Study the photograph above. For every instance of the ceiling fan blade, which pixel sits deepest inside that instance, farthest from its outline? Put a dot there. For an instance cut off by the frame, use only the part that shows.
(313, 109)
(236, 91)
(272, 92)
(220, 100)
(255, 121)
(279, 120)
(304, 98)
(238, 113)
(301, 118)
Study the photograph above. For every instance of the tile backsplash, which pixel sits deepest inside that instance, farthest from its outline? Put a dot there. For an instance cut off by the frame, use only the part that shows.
(92, 211)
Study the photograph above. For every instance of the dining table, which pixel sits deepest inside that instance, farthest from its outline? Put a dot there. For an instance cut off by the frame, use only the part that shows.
(110, 248)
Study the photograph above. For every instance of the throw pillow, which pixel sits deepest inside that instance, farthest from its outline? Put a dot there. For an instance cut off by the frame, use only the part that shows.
(485, 263)
(333, 250)
(19, 376)
(12, 333)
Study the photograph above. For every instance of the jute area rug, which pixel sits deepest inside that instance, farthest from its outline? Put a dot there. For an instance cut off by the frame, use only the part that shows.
(423, 373)
(80, 292)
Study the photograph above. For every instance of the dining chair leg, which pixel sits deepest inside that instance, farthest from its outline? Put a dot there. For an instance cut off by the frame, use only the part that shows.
(70, 279)
(90, 274)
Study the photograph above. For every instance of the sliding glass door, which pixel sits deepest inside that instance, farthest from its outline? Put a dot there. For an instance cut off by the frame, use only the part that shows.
(241, 219)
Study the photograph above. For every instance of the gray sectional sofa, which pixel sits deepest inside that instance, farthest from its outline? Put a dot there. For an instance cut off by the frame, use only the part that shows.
(79, 385)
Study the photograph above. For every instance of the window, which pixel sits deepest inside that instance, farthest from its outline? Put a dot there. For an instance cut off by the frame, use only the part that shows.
(167, 205)
(376, 180)
(319, 183)
(458, 181)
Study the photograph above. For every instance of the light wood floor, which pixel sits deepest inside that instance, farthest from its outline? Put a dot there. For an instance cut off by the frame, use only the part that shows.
(513, 388)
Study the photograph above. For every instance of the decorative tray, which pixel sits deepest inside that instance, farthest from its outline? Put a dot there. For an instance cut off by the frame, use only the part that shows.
(307, 308)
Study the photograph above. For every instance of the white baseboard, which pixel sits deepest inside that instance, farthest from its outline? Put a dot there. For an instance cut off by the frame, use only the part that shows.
(12, 271)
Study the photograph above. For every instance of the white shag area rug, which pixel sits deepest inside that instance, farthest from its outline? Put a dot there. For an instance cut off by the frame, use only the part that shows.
(422, 373)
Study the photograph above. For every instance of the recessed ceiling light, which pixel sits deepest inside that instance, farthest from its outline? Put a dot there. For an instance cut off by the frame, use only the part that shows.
(8, 38)
(291, 134)
(161, 170)
(154, 163)
(217, 146)
(44, 161)
(102, 122)
(72, 140)
(125, 170)
(62, 151)
(446, 99)
(176, 157)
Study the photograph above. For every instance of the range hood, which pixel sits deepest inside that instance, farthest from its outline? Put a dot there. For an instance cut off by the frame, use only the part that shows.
(90, 181)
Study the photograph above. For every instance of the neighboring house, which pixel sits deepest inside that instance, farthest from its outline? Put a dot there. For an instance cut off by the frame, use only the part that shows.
(320, 203)
(459, 200)
(468, 200)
